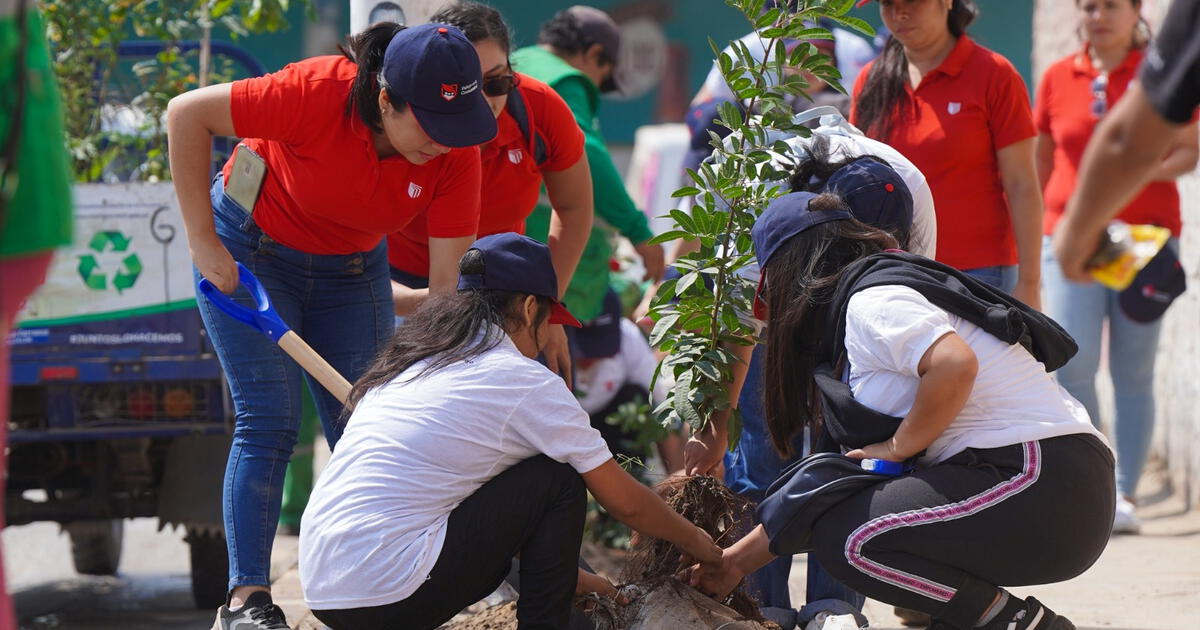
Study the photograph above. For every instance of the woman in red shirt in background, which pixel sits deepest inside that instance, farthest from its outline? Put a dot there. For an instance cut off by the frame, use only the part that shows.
(515, 165)
(338, 152)
(1074, 95)
(960, 113)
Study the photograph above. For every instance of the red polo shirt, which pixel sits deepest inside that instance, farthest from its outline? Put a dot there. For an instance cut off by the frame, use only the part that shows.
(1063, 109)
(326, 190)
(963, 112)
(510, 173)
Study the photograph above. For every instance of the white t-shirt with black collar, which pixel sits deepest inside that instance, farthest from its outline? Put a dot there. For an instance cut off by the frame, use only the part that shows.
(412, 451)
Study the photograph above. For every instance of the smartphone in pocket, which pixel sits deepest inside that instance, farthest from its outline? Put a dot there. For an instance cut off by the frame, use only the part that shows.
(246, 177)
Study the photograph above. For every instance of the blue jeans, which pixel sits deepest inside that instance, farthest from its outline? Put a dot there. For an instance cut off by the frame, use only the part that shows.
(749, 470)
(1083, 310)
(1003, 277)
(342, 306)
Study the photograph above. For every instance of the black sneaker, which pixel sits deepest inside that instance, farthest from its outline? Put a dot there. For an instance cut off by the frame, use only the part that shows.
(257, 613)
(1029, 614)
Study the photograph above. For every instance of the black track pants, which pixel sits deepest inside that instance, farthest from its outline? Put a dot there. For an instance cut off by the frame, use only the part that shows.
(943, 539)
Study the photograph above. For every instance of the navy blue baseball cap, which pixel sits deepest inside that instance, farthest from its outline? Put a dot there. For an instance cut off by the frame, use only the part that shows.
(512, 262)
(434, 68)
(1154, 287)
(784, 218)
(601, 337)
(876, 194)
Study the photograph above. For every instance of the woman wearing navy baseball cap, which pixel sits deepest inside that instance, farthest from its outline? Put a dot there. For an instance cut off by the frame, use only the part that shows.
(462, 452)
(337, 152)
(891, 356)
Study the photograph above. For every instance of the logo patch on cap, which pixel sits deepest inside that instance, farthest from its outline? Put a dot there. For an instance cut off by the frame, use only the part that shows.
(468, 88)
(449, 91)
(515, 156)
(414, 190)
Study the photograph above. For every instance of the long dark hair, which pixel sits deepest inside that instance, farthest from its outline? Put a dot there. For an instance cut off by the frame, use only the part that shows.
(883, 93)
(448, 329)
(800, 282)
(477, 21)
(366, 50)
(813, 171)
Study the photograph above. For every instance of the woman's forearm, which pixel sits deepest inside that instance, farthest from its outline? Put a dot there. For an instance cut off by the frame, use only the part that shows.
(189, 144)
(570, 192)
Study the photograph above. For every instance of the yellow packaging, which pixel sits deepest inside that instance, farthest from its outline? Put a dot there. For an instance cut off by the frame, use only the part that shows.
(1129, 248)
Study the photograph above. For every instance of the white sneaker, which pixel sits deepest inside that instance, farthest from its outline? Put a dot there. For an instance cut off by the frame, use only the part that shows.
(1125, 521)
(827, 621)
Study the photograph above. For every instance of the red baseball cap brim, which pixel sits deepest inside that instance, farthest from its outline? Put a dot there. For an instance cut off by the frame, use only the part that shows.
(560, 315)
(760, 304)
(861, 3)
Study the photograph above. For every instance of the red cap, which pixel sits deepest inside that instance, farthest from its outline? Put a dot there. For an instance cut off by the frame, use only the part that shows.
(861, 3)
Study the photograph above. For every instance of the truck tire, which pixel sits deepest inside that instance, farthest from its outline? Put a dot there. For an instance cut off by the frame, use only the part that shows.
(96, 545)
(210, 568)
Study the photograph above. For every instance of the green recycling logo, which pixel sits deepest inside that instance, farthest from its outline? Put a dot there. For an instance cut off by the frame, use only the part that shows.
(97, 278)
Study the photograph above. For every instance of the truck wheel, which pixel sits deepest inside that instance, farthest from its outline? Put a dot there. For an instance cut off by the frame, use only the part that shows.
(210, 568)
(96, 545)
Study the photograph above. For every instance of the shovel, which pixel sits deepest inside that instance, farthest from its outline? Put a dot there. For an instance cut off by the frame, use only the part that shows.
(266, 320)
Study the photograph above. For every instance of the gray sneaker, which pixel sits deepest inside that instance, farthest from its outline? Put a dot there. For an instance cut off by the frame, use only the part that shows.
(257, 613)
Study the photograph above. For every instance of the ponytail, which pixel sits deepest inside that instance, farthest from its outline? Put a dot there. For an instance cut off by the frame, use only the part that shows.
(366, 49)
(883, 94)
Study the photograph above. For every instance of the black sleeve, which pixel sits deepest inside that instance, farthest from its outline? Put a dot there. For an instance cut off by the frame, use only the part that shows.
(1171, 72)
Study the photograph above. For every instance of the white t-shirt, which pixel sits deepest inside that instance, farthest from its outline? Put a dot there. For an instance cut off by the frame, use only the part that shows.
(596, 384)
(888, 330)
(412, 451)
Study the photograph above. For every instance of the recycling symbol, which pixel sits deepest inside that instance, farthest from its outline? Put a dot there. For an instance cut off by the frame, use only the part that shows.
(97, 278)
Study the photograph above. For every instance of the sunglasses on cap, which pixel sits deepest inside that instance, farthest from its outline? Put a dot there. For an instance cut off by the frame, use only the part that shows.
(501, 84)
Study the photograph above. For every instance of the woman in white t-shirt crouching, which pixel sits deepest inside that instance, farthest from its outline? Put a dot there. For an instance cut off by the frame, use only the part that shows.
(463, 452)
(1012, 485)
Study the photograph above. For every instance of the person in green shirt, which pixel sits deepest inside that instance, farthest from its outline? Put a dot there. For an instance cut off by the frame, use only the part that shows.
(576, 55)
(35, 186)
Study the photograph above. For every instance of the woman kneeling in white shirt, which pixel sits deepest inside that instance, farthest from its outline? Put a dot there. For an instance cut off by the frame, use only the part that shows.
(463, 452)
(1012, 485)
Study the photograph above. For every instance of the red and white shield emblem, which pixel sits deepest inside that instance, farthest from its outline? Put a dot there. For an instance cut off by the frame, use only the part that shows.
(414, 190)
(449, 91)
(515, 155)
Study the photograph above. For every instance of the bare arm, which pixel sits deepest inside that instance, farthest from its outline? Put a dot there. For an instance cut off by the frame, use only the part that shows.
(1019, 176)
(1123, 155)
(570, 192)
(193, 118)
(741, 559)
(443, 273)
(1182, 157)
(947, 370)
(638, 507)
(1045, 159)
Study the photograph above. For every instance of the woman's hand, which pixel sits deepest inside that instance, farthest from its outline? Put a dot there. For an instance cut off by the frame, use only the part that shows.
(885, 450)
(558, 353)
(704, 451)
(704, 550)
(1029, 292)
(716, 580)
(592, 583)
(215, 263)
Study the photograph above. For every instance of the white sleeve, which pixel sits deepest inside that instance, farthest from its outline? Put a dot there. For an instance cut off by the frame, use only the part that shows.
(551, 421)
(889, 328)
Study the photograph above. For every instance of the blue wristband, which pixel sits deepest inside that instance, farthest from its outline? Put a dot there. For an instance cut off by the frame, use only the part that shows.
(882, 467)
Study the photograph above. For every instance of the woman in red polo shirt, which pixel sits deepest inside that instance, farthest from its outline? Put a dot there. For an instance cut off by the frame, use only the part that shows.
(537, 141)
(960, 113)
(1074, 95)
(338, 151)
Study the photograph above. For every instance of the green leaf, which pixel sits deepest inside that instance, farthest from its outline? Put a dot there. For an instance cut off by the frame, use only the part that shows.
(662, 328)
(709, 370)
(669, 236)
(686, 191)
(684, 220)
(767, 19)
(686, 282)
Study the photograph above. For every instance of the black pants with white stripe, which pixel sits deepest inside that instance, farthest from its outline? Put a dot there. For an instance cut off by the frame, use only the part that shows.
(943, 539)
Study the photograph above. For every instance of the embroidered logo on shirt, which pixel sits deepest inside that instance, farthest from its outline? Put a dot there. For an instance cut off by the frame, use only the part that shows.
(954, 108)
(414, 190)
(449, 91)
(515, 155)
